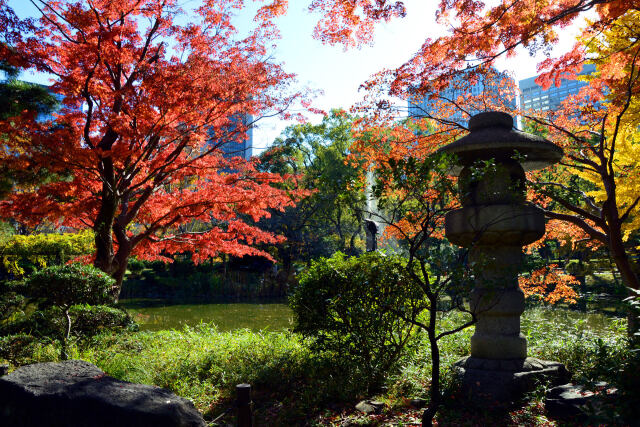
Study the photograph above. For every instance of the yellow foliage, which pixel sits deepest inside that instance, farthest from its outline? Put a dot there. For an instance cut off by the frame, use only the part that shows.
(627, 172)
(39, 248)
(615, 49)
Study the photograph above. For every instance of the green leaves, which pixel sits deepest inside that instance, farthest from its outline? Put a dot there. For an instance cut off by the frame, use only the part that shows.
(67, 285)
(17, 96)
(634, 305)
(330, 217)
(358, 307)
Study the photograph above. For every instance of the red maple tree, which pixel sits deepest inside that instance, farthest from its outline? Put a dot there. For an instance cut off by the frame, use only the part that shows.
(151, 94)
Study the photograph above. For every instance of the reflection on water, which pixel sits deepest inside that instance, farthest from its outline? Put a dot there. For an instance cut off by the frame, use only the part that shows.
(154, 315)
(539, 318)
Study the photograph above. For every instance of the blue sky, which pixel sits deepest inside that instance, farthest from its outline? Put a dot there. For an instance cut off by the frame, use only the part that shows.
(339, 73)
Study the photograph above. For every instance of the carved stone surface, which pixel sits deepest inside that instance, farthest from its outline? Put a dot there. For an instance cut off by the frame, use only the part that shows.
(492, 137)
(494, 223)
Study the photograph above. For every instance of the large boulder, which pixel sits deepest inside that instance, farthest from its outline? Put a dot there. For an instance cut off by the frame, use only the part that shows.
(76, 393)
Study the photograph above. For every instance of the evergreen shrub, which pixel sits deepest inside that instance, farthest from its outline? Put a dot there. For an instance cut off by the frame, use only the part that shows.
(357, 308)
(63, 286)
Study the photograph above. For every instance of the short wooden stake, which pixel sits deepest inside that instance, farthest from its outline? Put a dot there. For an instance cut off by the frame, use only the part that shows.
(245, 405)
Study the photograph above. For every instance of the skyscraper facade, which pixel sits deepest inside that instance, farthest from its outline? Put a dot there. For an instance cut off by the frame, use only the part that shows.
(533, 97)
(242, 148)
(469, 97)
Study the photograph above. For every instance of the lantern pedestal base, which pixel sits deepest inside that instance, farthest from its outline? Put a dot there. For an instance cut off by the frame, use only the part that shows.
(501, 382)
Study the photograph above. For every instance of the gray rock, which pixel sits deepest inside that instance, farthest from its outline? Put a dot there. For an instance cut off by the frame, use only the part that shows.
(370, 407)
(569, 400)
(76, 393)
(484, 385)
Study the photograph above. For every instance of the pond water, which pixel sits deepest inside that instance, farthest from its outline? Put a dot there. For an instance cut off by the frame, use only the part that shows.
(155, 315)
(539, 319)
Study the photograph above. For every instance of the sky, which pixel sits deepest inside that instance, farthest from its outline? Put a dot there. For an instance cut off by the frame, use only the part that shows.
(339, 73)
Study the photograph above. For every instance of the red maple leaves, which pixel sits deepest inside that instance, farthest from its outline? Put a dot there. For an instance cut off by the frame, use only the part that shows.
(149, 102)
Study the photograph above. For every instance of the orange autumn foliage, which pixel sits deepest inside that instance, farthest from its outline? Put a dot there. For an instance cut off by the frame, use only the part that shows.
(352, 22)
(549, 284)
(598, 128)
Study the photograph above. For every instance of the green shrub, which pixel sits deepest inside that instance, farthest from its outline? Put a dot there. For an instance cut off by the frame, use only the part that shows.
(135, 266)
(70, 284)
(63, 286)
(17, 348)
(578, 268)
(90, 320)
(633, 303)
(12, 300)
(351, 306)
(86, 320)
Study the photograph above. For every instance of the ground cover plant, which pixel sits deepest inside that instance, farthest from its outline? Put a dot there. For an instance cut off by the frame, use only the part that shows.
(296, 386)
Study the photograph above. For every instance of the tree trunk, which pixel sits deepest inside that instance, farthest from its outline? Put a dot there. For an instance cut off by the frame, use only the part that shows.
(104, 245)
(65, 337)
(118, 275)
(629, 277)
(624, 265)
(113, 265)
(434, 404)
(103, 229)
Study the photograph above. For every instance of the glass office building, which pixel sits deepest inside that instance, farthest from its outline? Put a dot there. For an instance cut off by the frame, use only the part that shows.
(242, 148)
(533, 97)
(471, 101)
(239, 148)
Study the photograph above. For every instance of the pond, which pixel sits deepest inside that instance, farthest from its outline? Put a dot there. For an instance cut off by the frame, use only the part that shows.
(539, 319)
(155, 315)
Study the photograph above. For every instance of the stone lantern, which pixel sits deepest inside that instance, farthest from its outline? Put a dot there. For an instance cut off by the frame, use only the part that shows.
(495, 222)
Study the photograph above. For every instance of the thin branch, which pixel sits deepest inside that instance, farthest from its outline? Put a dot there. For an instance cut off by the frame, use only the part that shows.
(592, 232)
(626, 214)
(52, 22)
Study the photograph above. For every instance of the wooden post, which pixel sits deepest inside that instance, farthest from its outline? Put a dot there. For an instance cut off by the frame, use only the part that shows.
(245, 405)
